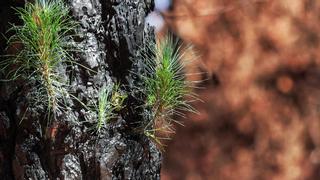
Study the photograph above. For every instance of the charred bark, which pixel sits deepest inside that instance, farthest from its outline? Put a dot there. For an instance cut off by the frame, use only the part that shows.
(110, 36)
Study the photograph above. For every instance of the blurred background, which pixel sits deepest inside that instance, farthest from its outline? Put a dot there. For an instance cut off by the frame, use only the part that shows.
(260, 118)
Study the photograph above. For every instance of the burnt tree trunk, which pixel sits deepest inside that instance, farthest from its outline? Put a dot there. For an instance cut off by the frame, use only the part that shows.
(111, 34)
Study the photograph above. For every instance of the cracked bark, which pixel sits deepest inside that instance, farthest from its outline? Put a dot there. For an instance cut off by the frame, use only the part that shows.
(111, 34)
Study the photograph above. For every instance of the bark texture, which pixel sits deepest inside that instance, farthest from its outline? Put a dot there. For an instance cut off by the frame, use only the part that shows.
(111, 34)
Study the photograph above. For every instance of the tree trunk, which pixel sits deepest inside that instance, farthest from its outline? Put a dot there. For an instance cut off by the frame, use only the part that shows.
(111, 34)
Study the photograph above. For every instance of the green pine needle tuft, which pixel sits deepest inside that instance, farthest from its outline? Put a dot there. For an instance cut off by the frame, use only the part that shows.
(43, 37)
(166, 87)
(105, 112)
(110, 102)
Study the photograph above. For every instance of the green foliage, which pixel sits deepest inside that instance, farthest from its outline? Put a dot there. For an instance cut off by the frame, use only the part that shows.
(43, 38)
(110, 101)
(166, 86)
(105, 112)
(117, 98)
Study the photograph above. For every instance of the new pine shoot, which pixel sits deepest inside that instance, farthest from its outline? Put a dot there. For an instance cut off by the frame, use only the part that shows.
(166, 87)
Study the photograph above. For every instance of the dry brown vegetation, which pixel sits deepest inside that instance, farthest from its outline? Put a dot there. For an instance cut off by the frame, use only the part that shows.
(261, 115)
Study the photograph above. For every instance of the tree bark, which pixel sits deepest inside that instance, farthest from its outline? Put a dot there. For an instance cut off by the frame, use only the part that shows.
(111, 34)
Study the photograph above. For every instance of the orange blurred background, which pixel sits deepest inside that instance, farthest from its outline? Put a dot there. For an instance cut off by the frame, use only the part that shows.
(260, 60)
